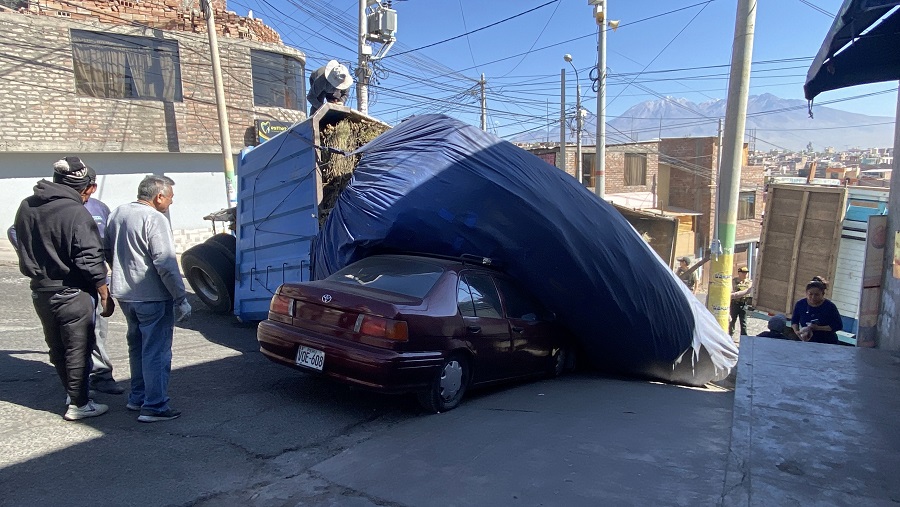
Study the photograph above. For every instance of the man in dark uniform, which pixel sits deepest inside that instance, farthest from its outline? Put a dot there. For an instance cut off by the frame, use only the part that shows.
(689, 279)
(60, 250)
(740, 298)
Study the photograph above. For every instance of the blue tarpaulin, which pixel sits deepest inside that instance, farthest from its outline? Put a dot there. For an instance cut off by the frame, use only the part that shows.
(435, 185)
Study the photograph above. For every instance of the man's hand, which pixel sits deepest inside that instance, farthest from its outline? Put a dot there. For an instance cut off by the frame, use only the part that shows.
(107, 305)
(182, 311)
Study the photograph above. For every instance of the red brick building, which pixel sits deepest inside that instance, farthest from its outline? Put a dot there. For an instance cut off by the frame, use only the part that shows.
(630, 167)
(128, 86)
(675, 176)
(687, 181)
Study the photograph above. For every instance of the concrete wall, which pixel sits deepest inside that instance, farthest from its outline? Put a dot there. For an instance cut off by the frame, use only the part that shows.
(888, 336)
(199, 185)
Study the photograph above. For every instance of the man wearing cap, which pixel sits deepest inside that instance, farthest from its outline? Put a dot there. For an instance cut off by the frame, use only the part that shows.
(328, 84)
(689, 279)
(740, 298)
(101, 366)
(60, 251)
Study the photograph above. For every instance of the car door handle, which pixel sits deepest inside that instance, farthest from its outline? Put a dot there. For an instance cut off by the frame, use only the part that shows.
(516, 329)
(474, 329)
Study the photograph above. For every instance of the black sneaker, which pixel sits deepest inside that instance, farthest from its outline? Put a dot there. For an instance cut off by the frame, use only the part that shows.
(149, 416)
(107, 386)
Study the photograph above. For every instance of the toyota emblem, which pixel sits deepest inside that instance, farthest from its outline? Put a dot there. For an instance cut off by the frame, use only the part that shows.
(326, 298)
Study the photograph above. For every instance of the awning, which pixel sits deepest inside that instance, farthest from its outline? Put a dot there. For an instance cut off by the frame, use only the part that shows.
(853, 56)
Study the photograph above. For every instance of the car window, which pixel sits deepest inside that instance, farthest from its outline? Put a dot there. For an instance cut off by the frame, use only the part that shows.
(484, 296)
(410, 277)
(519, 304)
(464, 298)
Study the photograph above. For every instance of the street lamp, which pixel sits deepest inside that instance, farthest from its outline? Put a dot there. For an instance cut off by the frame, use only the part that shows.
(567, 57)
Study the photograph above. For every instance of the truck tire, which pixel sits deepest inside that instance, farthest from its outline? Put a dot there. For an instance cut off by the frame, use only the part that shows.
(211, 274)
(225, 241)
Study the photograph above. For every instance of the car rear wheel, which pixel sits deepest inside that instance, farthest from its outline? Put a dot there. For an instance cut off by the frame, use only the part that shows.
(563, 361)
(448, 387)
(210, 272)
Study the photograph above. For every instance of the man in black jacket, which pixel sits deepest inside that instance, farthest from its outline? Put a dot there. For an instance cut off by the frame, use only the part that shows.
(60, 250)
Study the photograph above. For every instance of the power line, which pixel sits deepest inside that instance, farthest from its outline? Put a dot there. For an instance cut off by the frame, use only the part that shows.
(473, 31)
(817, 8)
(536, 39)
(661, 50)
(462, 13)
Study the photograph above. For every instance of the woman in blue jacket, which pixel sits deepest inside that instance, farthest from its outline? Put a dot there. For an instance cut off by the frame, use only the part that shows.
(816, 319)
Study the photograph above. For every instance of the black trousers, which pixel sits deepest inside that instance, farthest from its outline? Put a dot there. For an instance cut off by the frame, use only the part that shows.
(738, 311)
(67, 317)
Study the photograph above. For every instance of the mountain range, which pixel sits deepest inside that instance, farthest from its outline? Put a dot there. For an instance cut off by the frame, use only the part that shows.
(772, 122)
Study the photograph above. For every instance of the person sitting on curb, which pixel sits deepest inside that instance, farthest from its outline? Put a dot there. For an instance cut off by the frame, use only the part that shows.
(777, 326)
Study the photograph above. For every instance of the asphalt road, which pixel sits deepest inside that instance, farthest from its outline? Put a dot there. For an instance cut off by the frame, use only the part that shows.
(255, 433)
(245, 420)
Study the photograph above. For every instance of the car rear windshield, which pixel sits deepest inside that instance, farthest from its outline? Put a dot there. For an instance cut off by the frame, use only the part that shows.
(410, 277)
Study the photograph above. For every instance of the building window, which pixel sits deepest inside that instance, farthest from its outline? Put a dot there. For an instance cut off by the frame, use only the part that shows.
(587, 169)
(114, 66)
(747, 205)
(635, 169)
(277, 80)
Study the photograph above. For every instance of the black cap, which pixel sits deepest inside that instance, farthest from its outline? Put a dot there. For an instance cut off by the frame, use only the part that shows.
(71, 171)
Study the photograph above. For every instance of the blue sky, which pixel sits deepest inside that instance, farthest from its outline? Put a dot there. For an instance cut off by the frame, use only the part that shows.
(442, 78)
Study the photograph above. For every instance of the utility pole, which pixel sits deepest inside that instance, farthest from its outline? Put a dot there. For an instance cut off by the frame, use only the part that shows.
(224, 131)
(561, 163)
(483, 105)
(578, 174)
(362, 64)
(715, 246)
(722, 266)
(378, 26)
(600, 14)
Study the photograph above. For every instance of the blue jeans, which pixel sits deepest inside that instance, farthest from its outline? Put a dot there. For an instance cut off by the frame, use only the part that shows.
(150, 329)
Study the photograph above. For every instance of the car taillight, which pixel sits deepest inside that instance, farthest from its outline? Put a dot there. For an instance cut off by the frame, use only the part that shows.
(381, 327)
(281, 305)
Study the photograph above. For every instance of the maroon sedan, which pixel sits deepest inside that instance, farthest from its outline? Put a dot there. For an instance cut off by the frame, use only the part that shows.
(412, 324)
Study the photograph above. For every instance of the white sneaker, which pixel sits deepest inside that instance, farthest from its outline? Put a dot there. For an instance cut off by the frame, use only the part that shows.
(91, 395)
(90, 409)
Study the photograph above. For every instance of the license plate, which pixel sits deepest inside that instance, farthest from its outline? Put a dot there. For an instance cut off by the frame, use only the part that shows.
(311, 358)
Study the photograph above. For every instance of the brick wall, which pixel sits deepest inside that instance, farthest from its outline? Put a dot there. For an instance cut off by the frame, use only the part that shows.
(175, 15)
(693, 162)
(615, 163)
(42, 111)
(615, 166)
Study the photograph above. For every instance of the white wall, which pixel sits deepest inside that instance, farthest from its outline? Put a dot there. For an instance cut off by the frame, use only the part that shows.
(199, 181)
